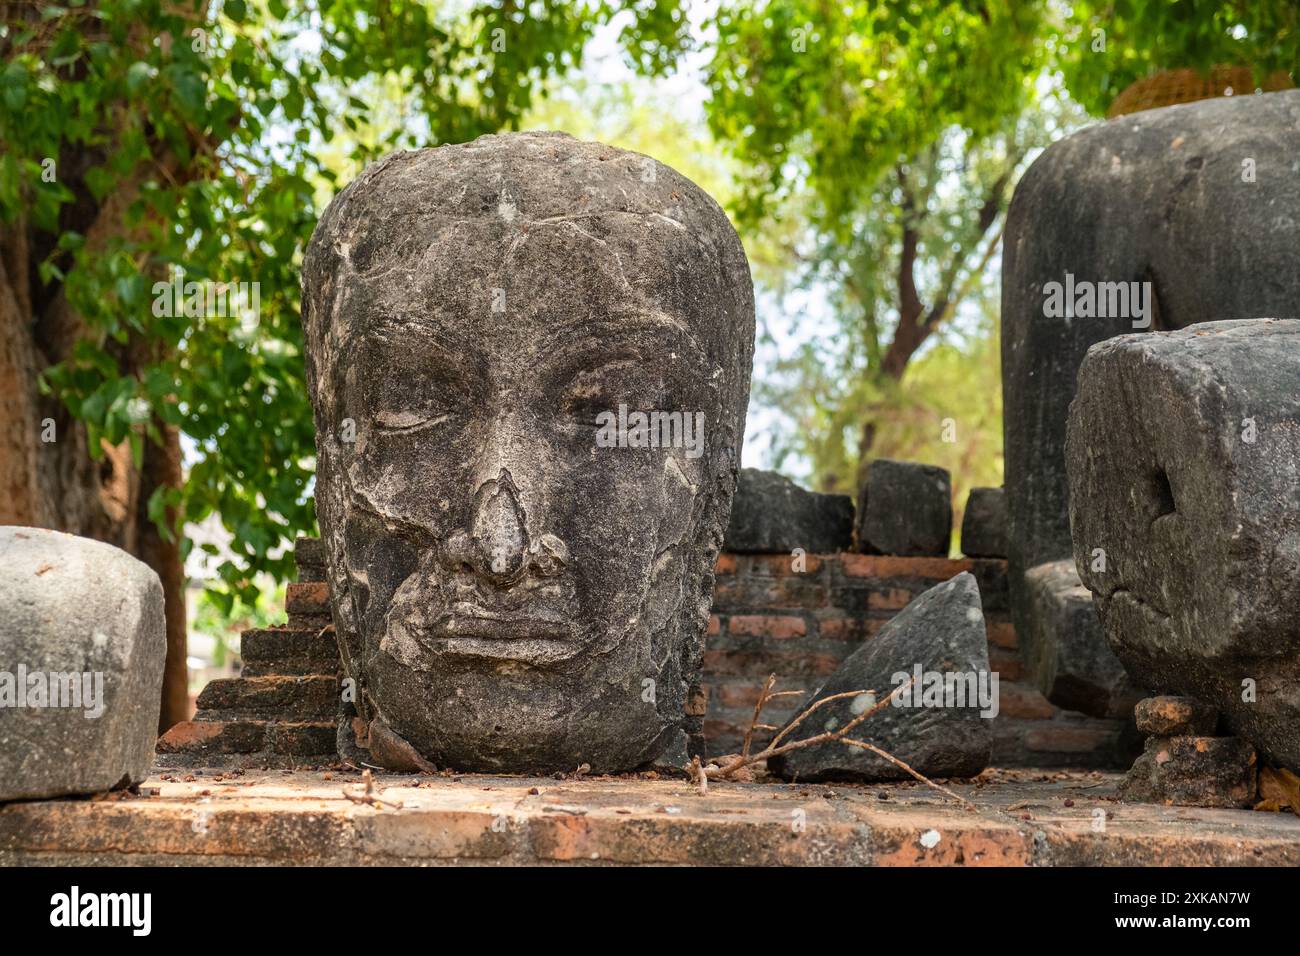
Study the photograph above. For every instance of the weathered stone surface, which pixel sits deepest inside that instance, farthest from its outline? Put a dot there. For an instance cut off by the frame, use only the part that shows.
(1161, 196)
(81, 626)
(905, 508)
(676, 758)
(1065, 649)
(520, 583)
(942, 631)
(1193, 772)
(1169, 716)
(771, 513)
(984, 524)
(1184, 456)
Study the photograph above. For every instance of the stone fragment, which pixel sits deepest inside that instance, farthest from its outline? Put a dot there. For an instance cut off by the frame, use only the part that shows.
(1193, 772)
(905, 508)
(984, 524)
(1065, 649)
(1169, 716)
(1184, 457)
(82, 645)
(770, 513)
(529, 361)
(1168, 197)
(940, 633)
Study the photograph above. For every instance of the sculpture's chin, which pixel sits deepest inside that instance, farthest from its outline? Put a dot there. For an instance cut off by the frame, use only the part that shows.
(504, 716)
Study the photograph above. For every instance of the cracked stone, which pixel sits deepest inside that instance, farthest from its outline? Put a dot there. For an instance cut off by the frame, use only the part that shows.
(1184, 457)
(529, 360)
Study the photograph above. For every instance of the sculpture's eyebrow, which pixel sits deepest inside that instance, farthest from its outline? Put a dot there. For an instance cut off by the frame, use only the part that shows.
(644, 333)
(416, 340)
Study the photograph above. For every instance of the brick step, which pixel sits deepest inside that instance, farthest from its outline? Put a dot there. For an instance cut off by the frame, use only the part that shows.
(261, 760)
(308, 604)
(309, 557)
(248, 744)
(302, 738)
(285, 651)
(312, 697)
(204, 738)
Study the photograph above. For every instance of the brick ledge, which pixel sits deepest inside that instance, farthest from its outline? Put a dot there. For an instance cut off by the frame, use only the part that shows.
(303, 818)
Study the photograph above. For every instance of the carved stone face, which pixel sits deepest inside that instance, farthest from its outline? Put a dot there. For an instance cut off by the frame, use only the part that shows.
(513, 590)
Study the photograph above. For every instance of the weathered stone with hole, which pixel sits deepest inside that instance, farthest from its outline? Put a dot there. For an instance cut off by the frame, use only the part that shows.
(984, 524)
(940, 632)
(1184, 456)
(1198, 200)
(904, 508)
(771, 513)
(1193, 772)
(1065, 649)
(82, 645)
(529, 359)
(1169, 716)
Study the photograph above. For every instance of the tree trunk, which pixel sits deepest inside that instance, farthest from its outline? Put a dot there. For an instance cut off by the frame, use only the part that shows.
(162, 469)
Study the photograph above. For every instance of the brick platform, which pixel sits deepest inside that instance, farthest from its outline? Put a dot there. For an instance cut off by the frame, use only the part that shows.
(301, 817)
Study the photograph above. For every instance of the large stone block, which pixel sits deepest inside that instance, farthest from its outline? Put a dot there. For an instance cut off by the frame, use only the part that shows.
(939, 633)
(82, 645)
(904, 508)
(1065, 649)
(1184, 458)
(770, 513)
(1198, 200)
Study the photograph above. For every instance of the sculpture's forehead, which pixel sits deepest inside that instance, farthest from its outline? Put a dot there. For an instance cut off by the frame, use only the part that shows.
(469, 285)
(586, 336)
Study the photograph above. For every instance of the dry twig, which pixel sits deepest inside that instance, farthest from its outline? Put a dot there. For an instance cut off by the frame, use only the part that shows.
(369, 798)
(776, 748)
(902, 765)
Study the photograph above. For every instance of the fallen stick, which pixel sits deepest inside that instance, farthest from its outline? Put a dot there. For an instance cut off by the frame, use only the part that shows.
(775, 748)
(902, 765)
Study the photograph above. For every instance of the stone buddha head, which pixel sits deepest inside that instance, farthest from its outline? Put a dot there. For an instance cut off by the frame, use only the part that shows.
(529, 360)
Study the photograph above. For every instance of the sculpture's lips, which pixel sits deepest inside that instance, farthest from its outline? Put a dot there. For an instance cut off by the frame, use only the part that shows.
(469, 620)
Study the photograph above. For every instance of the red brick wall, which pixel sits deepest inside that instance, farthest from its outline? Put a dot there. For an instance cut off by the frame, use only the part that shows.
(770, 619)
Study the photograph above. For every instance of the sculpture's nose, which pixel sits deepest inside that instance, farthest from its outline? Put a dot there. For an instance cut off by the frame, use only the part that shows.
(497, 531)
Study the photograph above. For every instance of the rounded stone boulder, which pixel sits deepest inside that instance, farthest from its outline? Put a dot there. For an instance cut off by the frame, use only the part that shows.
(82, 645)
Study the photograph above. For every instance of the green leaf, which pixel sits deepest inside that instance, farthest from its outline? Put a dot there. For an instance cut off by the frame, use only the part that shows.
(137, 75)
